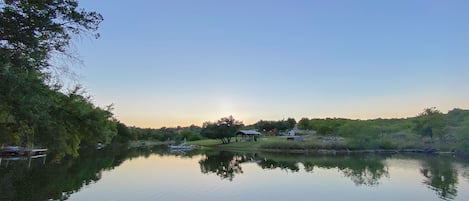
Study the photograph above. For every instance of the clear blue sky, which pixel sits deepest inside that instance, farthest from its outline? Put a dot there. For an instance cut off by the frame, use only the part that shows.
(168, 63)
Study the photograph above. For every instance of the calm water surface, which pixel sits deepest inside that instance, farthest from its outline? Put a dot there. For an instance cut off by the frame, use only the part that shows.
(117, 174)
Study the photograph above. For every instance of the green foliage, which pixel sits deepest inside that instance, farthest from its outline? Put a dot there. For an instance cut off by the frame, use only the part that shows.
(224, 129)
(386, 144)
(32, 111)
(205, 142)
(327, 126)
(269, 126)
(430, 122)
(33, 30)
(457, 117)
(189, 135)
(462, 134)
(165, 134)
(303, 124)
(73, 121)
(358, 128)
(123, 133)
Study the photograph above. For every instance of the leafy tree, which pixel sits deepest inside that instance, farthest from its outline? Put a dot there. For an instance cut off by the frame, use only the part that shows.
(291, 123)
(304, 124)
(189, 135)
(123, 133)
(430, 122)
(223, 129)
(281, 125)
(33, 30)
(31, 33)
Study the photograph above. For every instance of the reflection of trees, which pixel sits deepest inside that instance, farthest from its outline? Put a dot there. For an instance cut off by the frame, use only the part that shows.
(59, 180)
(224, 164)
(284, 165)
(361, 169)
(364, 170)
(440, 176)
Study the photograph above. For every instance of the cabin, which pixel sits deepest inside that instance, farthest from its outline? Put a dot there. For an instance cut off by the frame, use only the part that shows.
(248, 135)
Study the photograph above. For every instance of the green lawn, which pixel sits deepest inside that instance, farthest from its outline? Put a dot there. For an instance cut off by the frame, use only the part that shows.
(234, 144)
(205, 143)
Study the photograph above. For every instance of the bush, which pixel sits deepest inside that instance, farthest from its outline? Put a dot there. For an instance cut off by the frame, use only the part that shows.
(386, 144)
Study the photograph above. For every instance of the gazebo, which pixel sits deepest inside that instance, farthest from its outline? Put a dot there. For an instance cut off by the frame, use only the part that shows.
(248, 135)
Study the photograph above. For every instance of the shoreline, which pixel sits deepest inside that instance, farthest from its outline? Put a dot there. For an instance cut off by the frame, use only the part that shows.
(458, 153)
(344, 151)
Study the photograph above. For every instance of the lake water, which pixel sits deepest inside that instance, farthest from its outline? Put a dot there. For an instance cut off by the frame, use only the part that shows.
(117, 174)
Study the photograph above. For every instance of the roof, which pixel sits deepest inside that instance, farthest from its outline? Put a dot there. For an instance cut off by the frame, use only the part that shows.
(248, 132)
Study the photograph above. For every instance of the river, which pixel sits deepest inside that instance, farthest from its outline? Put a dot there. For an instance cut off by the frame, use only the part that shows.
(147, 174)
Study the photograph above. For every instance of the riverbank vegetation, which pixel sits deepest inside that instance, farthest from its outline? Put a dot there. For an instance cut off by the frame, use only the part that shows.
(429, 131)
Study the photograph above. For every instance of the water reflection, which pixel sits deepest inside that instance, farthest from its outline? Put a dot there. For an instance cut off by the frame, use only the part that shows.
(440, 176)
(268, 163)
(224, 164)
(58, 181)
(361, 169)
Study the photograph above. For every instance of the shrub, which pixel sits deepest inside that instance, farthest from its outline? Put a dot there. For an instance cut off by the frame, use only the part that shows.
(386, 144)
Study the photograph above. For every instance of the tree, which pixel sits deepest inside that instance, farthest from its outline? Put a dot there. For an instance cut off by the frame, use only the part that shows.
(31, 33)
(189, 135)
(291, 123)
(273, 126)
(123, 133)
(430, 122)
(304, 124)
(223, 129)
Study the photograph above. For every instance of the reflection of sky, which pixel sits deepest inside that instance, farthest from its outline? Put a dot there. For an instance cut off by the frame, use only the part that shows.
(173, 178)
(168, 63)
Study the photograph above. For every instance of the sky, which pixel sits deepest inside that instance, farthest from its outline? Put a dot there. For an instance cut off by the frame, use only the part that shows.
(175, 62)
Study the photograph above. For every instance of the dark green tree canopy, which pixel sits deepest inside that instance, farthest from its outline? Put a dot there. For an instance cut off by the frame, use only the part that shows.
(430, 122)
(31, 111)
(223, 129)
(281, 125)
(31, 30)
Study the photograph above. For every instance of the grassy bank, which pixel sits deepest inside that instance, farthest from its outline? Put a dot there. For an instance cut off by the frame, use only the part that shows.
(314, 143)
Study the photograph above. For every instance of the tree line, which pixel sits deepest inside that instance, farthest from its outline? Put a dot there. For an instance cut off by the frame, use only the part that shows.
(430, 126)
(223, 129)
